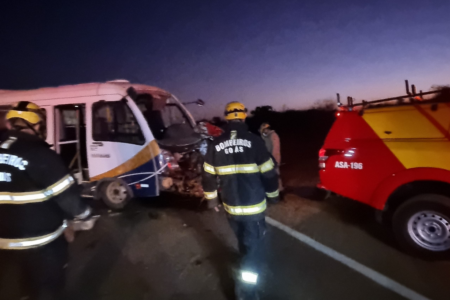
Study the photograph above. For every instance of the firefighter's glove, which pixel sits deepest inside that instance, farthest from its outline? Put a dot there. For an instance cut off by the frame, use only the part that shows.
(273, 200)
(84, 221)
(211, 204)
(69, 233)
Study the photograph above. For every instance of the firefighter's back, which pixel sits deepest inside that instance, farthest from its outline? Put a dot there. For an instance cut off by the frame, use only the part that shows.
(236, 155)
(24, 211)
(246, 172)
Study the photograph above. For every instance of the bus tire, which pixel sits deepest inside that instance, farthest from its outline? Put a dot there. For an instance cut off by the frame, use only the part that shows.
(115, 193)
(422, 226)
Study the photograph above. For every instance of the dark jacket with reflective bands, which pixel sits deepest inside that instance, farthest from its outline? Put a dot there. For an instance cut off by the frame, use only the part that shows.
(246, 172)
(37, 192)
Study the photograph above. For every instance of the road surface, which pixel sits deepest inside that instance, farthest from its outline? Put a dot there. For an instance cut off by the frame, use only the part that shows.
(170, 249)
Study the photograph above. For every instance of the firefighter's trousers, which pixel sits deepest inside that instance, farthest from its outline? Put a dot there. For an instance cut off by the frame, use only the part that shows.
(36, 273)
(251, 237)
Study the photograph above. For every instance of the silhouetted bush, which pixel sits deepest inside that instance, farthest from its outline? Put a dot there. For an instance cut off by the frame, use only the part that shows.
(303, 123)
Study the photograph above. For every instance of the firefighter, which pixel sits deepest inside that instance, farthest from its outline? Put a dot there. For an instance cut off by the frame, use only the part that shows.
(248, 179)
(37, 193)
(272, 141)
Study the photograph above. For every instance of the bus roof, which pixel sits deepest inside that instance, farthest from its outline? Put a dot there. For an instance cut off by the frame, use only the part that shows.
(119, 87)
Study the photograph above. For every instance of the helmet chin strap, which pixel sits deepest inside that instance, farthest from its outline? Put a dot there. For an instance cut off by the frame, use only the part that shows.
(32, 129)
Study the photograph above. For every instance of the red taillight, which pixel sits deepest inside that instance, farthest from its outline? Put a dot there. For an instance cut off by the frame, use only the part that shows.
(324, 154)
(322, 158)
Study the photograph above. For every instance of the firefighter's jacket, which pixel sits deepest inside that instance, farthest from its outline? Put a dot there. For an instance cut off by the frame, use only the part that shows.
(37, 192)
(246, 173)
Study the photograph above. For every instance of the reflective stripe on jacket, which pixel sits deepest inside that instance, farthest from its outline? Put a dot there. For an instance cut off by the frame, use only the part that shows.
(37, 192)
(32, 242)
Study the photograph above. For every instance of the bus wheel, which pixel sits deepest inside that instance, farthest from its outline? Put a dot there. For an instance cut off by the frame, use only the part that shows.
(115, 194)
(422, 226)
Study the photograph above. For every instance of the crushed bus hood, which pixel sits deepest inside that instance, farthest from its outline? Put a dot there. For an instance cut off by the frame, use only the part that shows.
(180, 138)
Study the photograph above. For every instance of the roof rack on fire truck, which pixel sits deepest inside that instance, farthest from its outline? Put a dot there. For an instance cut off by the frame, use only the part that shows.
(412, 95)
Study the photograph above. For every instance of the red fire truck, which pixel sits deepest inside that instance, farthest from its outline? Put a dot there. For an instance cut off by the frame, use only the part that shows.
(394, 155)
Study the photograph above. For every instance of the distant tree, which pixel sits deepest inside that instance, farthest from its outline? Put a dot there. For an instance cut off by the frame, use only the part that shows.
(443, 95)
(262, 110)
(217, 121)
(439, 87)
(326, 104)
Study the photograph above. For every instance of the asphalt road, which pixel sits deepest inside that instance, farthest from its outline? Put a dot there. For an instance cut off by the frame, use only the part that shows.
(166, 249)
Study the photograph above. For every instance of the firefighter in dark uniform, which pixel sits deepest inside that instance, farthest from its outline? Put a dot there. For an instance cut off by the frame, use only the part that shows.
(37, 195)
(248, 179)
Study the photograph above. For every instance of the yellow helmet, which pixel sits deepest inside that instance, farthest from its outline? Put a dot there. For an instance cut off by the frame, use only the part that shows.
(27, 111)
(235, 111)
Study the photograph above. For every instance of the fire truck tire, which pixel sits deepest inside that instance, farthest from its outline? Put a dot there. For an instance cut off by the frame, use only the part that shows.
(422, 226)
(115, 193)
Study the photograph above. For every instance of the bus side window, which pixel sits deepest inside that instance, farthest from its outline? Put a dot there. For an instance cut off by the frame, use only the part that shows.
(115, 122)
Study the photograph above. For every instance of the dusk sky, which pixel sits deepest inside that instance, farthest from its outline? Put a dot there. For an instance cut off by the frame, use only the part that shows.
(279, 53)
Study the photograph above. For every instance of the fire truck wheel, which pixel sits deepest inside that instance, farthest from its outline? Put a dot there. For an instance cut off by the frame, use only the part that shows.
(115, 194)
(422, 226)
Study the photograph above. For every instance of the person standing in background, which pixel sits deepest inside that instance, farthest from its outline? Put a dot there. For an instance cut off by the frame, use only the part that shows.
(272, 141)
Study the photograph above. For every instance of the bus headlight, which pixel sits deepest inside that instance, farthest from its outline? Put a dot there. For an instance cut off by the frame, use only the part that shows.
(167, 158)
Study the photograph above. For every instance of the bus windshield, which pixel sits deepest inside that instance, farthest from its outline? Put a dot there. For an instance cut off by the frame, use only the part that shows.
(162, 114)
